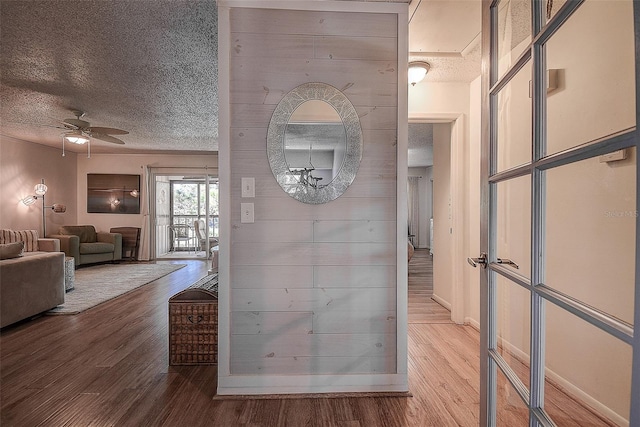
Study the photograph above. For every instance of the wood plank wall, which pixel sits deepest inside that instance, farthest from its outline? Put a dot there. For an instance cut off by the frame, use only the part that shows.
(313, 287)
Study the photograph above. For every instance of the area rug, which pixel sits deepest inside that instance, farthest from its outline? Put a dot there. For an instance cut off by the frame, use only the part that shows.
(100, 283)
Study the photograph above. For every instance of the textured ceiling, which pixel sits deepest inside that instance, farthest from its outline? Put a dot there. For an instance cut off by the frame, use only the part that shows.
(150, 67)
(446, 34)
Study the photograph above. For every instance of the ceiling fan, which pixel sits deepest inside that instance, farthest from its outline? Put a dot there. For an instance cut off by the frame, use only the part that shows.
(80, 132)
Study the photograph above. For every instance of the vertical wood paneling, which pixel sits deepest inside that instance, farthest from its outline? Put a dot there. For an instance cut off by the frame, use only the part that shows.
(313, 287)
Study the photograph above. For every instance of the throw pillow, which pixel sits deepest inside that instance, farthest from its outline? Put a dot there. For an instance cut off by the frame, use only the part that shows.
(29, 237)
(11, 250)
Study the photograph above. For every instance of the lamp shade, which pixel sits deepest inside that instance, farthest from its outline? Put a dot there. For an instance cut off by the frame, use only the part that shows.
(59, 208)
(29, 200)
(417, 72)
(40, 189)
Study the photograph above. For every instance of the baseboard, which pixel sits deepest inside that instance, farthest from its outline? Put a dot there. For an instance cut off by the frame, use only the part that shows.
(469, 321)
(310, 396)
(255, 385)
(442, 302)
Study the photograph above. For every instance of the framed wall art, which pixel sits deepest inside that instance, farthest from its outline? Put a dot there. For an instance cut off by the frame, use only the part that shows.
(113, 193)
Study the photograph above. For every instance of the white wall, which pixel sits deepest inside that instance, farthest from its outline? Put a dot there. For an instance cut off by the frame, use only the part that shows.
(22, 165)
(434, 99)
(472, 208)
(313, 287)
(443, 262)
(447, 102)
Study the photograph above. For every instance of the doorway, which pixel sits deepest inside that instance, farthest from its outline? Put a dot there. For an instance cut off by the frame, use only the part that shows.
(186, 215)
(436, 164)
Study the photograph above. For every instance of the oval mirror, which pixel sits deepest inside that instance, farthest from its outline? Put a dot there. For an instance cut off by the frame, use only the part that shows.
(314, 143)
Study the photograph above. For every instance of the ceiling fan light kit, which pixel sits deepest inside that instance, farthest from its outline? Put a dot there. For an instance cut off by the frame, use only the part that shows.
(76, 137)
(80, 132)
(78, 140)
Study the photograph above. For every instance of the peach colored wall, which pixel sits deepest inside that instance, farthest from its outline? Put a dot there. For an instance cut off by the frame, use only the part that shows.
(22, 165)
(472, 207)
(446, 101)
(128, 164)
(442, 218)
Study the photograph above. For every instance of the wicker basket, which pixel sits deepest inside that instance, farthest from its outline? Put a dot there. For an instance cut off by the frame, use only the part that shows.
(193, 327)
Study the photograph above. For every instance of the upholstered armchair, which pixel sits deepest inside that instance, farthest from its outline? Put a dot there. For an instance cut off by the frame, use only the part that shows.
(198, 226)
(88, 246)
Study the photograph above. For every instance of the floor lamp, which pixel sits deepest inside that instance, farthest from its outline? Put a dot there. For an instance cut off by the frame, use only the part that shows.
(41, 190)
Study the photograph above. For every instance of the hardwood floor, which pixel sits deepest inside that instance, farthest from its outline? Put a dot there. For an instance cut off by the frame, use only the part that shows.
(109, 366)
(422, 309)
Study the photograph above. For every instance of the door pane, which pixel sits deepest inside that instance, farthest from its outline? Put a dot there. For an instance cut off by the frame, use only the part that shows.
(513, 223)
(514, 32)
(510, 409)
(590, 233)
(513, 321)
(593, 53)
(591, 366)
(514, 121)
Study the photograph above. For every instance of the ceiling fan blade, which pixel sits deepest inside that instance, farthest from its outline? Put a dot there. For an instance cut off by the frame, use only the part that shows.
(108, 138)
(107, 131)
(76, 123)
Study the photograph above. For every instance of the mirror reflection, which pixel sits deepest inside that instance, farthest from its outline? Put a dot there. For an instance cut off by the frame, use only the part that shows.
(315, 144)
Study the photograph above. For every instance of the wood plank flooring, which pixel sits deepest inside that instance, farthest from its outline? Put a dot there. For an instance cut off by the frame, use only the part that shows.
(422, 309)
(108, 366)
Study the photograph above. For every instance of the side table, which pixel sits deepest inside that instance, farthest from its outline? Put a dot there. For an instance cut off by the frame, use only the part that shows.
(69, 273)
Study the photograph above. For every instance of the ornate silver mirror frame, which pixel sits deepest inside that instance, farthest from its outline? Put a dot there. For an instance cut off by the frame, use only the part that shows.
(276, 137)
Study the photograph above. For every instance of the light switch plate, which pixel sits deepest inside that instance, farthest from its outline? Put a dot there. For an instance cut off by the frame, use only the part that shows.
(248, 187)
(246, 213)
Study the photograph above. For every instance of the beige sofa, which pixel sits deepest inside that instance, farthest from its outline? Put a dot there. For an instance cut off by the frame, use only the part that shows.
(32, 282)
(87, 246)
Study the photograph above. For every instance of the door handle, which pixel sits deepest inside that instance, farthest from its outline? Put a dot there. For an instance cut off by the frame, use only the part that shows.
(475, 261)
(507, 262)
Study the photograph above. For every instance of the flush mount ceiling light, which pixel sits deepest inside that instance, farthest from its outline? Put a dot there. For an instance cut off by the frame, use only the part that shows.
(417, 71)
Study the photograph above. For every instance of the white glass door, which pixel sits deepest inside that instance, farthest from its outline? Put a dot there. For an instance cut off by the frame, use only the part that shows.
(560, 291)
